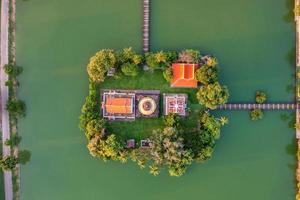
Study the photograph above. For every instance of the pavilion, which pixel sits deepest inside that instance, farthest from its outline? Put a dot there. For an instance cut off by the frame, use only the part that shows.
(184, 75)
(175, 103)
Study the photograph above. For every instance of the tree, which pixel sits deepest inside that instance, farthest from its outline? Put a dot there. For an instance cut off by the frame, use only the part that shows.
(100, 63)
(212, 95)
(256, 114)
(168, 149)
(189, 56)
(129, 69)
(160, 60)
(24, 156)
(127, 55)
(8, 162)
(223, 120)
(16, 108)
(168, 74)
(154, 170)
(207, 75)
(211, 61)
(171, 120)
(14, 140)
(90, 109)
(13, 70)
(260, 97)
(95, 126)
(108, 148)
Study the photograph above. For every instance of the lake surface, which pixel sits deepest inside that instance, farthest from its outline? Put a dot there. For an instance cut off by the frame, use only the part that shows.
(254, 42)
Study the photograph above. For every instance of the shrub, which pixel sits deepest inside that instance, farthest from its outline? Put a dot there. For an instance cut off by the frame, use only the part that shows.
(212, 95)
(95, 126)
(189, 56)
(260, 97)
(13, 70)
(207, 75)
(8, 162)
(129, 69)
(100, 63)
(16, 108)
(256, 114)
(24, 156)
(14, 140)
(168, 74)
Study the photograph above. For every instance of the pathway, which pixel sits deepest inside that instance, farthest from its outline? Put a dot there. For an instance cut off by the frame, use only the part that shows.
(268, 106)
(4, 94)
(146, 42)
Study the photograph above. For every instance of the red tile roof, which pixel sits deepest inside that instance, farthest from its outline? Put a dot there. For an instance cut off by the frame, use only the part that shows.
(184, 75)
(118, 105)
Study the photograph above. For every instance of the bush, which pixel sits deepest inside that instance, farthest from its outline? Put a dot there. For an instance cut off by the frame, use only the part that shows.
(100, 63)
(168, 74)
(95, 126)
(90, 109)
(16, 108)
(256, 114)
(260, 97)
(171, 120)
(14, 140)
(24, 156)
(8, 162)
(129, 69)
(207, 75)
(13, 70)
(213, 95)
(189, 56)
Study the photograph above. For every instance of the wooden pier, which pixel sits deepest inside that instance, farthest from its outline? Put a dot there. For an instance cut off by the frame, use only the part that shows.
(146, 25)
(269, 106)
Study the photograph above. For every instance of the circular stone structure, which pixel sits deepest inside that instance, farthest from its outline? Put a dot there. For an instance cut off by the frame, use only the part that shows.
(147, 106)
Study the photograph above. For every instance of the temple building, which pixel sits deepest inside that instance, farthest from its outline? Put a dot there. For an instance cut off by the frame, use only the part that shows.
(184, 75)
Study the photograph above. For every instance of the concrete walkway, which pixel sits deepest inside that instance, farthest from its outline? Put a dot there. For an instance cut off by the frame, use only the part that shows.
(4, 94)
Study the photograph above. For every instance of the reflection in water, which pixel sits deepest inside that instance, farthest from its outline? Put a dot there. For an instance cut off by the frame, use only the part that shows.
(289, 15)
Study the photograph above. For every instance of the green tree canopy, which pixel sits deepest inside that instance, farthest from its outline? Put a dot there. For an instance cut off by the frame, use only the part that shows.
(212, 95)
(24, 156)
(168, 150)
(100, 63)
(168, 74)
(129, 69)
(127, 55)
(16, 108)
(260, 97)
(207, 75)
(8, 162)
(256, 114)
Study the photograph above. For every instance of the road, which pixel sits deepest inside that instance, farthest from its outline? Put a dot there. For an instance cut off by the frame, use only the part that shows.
(4, 94)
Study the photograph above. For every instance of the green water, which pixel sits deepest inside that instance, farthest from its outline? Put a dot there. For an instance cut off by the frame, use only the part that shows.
(253, 42)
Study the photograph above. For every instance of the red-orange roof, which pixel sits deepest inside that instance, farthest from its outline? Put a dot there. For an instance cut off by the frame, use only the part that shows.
(118, 105)
(184, 75)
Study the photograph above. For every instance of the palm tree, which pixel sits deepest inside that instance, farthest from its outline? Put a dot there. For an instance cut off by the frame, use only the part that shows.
(154, 170)
(141, 164)
(223, 120)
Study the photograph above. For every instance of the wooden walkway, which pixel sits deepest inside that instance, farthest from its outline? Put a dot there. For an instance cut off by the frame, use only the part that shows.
(269, 106)
(146, 30)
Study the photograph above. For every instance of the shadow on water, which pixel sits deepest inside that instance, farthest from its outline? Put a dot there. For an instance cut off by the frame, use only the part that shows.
(290, 119)
(290, 57)
(290, 88)
(289, 15)
(291, 149)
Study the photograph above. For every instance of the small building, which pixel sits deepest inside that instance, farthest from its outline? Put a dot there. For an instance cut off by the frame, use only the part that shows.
(175, 103)
(146, 143)
(184, 75)
(118, 105)
(131, 144)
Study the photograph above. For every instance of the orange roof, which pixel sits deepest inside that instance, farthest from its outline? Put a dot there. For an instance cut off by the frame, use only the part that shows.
(184, 75)
(118, 105)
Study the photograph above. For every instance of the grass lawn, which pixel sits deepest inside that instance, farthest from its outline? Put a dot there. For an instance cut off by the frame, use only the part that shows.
(142, 128)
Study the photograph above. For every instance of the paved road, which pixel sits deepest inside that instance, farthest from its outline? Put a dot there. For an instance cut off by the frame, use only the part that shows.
(4, 94)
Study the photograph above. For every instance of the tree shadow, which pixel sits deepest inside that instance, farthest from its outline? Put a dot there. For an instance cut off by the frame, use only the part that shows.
(290, 57)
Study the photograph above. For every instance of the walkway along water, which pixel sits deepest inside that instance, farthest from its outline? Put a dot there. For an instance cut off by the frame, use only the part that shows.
(4, 94)
(146, 30)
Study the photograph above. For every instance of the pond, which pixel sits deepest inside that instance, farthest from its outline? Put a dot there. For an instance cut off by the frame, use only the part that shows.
(254, 42)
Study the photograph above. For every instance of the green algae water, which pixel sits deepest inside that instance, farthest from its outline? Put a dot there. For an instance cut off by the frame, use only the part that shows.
(254, 41)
